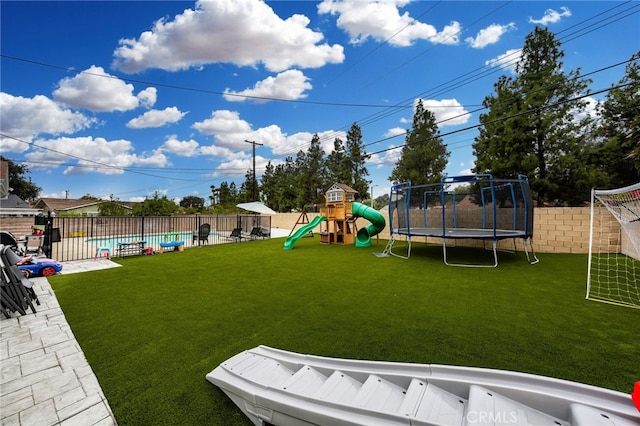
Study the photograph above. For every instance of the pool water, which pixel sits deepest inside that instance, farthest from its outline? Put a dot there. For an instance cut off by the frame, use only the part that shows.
(152, 240)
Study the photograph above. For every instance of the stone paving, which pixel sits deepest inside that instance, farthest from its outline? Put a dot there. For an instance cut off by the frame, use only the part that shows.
(45, 378)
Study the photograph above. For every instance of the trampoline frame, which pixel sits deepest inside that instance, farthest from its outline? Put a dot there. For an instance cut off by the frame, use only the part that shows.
(402, 192)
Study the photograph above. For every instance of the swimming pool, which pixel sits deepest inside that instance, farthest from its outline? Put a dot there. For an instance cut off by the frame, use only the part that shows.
(152, 240)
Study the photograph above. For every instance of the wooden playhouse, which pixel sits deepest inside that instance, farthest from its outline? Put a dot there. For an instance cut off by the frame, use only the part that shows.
(340, 226)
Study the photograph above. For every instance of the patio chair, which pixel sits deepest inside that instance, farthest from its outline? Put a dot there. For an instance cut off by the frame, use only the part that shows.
(33, 244)
(236, 235)
(202, 234)
(258, 232)
(17, 290)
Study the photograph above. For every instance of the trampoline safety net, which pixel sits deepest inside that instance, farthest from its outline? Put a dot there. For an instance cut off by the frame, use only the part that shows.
(477, 207)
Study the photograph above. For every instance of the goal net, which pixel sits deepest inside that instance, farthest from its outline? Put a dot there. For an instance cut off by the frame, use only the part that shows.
(614, 246)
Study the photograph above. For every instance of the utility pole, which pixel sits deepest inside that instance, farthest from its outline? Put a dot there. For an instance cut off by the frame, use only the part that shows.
(254, 185)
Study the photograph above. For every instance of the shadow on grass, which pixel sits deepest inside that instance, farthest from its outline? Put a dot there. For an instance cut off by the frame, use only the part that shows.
(154, 328)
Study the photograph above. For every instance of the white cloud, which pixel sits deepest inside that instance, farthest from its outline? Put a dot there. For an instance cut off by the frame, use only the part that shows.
(95, 90)
(287, 85)
(388, 158)
(396, 131)
(221, 152)
(156, 159)
(508, 60)
(450, 34)
(148, 97)
(448, 112)
(228, 129)
(230, 132)
(590, 109)
(243, 32)
(117, 154)
(182, 148)
(156, 118)
(551, 16)
(25, 118)
(489, 35)
(382, 21)
(238, 167)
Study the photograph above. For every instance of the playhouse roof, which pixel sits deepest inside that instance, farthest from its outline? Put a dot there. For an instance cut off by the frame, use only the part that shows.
(343, 187)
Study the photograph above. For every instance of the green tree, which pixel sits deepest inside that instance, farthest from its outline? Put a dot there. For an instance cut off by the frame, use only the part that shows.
(337, 163)
(312, 174)
(280, 186)
(193, 203)
(224, 198)
(268, 185)
(19, 184)
(112, 207)
(245, 194)
(224, 194)
(356, 156)
(424, 155)
(620, 129)
(90, 197)
(532, 127)
(156, 206)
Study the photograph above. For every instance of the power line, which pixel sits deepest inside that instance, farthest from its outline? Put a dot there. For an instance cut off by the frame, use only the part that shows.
(193, 89)
(97, 163)
(497, 120)
(388, 109)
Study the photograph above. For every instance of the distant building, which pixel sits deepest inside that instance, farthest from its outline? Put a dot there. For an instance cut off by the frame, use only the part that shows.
(10, 204)
(73, 207)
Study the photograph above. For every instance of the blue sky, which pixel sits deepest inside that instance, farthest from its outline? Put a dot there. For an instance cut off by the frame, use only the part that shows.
(128, 99)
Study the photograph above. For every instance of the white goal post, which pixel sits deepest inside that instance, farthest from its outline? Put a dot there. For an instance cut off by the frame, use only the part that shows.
(614, 246)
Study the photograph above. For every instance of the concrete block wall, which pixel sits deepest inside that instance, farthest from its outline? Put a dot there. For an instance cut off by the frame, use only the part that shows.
(18, 226)
(556, 229)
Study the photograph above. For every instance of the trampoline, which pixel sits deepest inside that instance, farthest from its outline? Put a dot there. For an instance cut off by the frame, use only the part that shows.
(473, 207)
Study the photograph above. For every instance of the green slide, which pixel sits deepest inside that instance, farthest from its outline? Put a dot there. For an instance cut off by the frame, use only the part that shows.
(304, 230)
(363, 237)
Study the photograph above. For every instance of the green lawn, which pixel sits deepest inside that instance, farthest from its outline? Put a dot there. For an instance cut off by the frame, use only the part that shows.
(154, 328)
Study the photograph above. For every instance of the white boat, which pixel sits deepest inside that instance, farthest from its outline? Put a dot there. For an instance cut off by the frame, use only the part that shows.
(277, 387)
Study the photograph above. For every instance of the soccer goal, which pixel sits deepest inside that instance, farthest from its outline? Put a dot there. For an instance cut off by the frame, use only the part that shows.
(614, 246)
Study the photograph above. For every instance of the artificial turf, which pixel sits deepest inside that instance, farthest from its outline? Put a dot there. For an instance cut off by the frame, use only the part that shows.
(154, 328)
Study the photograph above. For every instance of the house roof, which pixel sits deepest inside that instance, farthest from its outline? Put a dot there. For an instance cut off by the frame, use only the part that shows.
(61, 204)
(345, 188)
(14, 202)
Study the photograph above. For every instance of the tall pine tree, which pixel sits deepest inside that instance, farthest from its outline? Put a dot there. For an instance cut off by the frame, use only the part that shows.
(355, 158)
(532, 127)
(338, 164)
(619, 149)
(424, 155)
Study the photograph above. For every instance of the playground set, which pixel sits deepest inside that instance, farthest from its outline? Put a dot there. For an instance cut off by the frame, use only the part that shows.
(337, 220)
(471, 207)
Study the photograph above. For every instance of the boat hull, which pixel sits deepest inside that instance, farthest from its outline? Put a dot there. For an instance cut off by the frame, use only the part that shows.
(273, 386)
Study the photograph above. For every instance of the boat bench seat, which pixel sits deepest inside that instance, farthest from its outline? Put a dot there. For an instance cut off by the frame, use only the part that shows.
(584, 415)
(488, 407)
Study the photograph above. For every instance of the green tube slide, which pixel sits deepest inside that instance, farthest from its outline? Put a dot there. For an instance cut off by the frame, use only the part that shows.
(302, 231)
(363, 237)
